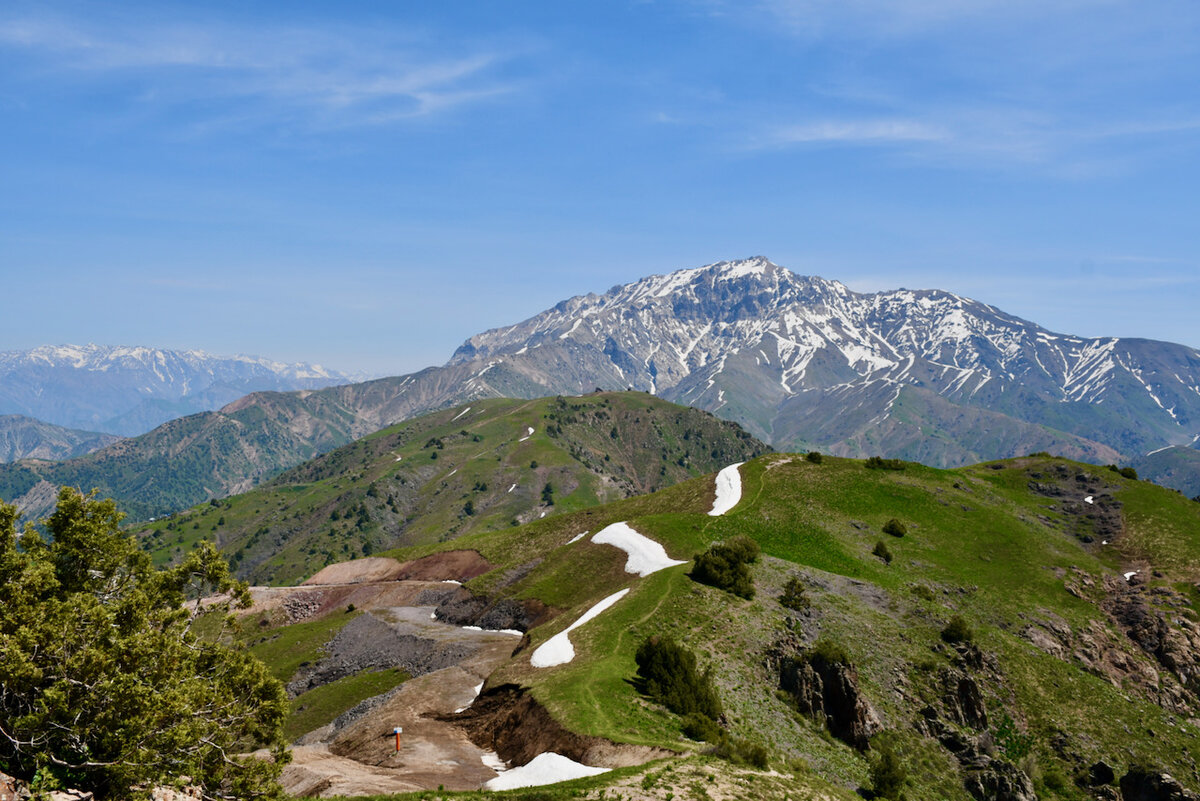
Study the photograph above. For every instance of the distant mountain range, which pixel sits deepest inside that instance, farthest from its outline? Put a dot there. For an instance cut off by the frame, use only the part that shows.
(26, 438)
(801, 362)
(129, 390)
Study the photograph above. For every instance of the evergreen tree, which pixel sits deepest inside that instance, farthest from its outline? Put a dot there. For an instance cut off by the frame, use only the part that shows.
(104, 681)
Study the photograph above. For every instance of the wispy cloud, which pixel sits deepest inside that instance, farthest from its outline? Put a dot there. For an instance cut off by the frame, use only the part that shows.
(351, 76)
(853, 132)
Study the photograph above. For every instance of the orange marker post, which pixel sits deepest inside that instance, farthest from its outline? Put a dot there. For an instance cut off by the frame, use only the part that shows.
(397, 731)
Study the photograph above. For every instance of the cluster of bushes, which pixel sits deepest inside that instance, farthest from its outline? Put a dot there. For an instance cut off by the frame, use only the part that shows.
(815, 457)
(879, 463)
(726, 566)
(895, 528)
(667, 673)
(1127, 472)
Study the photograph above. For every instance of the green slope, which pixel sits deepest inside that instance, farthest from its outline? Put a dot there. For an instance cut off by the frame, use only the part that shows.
(443, 475)
(1003, 545)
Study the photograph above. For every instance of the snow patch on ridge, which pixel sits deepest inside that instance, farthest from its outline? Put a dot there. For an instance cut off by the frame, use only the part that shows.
(645, 555)
(558, 650)
(729, 490)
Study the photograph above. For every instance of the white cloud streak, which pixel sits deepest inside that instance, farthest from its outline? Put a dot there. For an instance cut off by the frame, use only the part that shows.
(360, 76)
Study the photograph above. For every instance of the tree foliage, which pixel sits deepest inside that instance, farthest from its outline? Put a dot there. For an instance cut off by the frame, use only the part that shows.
(669, 675)
(104, 681)
(726, 565)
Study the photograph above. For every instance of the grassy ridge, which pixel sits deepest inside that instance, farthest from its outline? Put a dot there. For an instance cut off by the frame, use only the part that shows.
(453, 472)
(980, 544)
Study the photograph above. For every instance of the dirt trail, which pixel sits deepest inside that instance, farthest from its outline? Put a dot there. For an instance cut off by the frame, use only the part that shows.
(356, 754)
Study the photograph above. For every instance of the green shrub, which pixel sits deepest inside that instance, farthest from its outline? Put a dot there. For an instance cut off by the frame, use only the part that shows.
(726, 566)
(957, 630)
(881, 550)
(702, 728)
(814, 456)
(895, 528)
(879, 463)
(1129, 472)
(888, 773)
(668, 674)
(793, 596)
(828, 652)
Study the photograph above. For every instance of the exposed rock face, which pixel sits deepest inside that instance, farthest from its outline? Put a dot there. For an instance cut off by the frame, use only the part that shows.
(1000, 781)
(964, 699)
(465, 609)
(508, 721)
(829, 691)
(1142, 785)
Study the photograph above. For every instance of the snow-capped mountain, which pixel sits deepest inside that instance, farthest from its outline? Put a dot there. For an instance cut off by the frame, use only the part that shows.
(129, 390)
(804, 361)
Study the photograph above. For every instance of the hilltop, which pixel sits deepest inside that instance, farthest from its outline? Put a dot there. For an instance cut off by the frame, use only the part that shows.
(489, 465)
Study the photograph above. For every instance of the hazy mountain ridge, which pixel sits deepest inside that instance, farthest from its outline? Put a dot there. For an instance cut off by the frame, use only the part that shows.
(128, 390)
(25, 438)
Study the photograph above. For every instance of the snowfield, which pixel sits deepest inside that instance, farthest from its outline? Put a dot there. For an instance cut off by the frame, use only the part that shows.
(645, 555)
(558, 649)
(729, 490)
(546, 768)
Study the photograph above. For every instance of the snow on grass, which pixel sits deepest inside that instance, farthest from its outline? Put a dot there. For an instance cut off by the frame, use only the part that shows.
(576, 538)
(645, 555)
(1089, 499)
(399, 458)
(1130, 574)
(546, 768)
(528, 434)
(729, 490)
(513, 487)
(460, 414)
(452, 472)
(558, 649)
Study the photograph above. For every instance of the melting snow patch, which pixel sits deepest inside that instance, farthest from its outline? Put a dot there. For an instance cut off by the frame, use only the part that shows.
(576, 538)
(1089, 499)
(399, 458)
(451, 581)
(1130, 574)
(546, 768)
(433, 615)
(460, 414)
(513, 487)
(729, 490)
(1104, 542)
(645, 555)
(558, 649)
(474, 695)
(528, 434)
(452, 472)
(492, 760)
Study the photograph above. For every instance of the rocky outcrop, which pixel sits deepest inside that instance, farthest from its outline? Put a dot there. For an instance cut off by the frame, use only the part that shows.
(1153, 785)
(1000, 781)
(828, 690)
(465, 609)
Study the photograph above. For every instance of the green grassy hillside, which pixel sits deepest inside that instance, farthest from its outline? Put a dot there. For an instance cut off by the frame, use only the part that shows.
(438, 477)
(1064, 662)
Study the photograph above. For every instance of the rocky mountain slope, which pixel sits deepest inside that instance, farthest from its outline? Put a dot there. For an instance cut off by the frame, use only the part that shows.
(1013, 630)
(803, 361)
(130, 390)
(474, 468)
(26, 438)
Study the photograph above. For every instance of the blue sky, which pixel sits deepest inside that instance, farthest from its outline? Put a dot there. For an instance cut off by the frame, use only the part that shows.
(366, 184)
